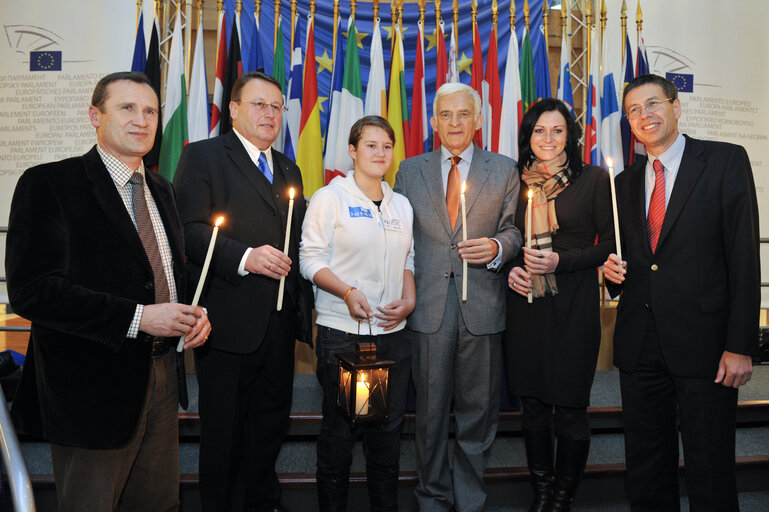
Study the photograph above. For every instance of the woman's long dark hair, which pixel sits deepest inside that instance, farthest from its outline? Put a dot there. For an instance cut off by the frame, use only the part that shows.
(573, 132)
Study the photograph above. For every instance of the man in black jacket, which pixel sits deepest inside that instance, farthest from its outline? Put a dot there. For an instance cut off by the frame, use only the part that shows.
(687, 319)
(246, 370)
(95, 261)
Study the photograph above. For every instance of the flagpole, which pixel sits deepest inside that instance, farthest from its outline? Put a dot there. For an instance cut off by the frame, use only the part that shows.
(421, 11)
(293, 26)
(588, 29)
(456, 23)
(336, 35)
(277, 26)
(623, 18)
(437, 17)
(257, 9)
(200, 15)
(187, 42)
(512, 15)
(376, 10)
(138, 13)
(393, 15)
(546, 26)
(639, 20)
(526, 15)
(400, 20)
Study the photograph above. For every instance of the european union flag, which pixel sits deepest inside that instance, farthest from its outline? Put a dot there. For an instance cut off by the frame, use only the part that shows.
(682, 81)
(45, 61)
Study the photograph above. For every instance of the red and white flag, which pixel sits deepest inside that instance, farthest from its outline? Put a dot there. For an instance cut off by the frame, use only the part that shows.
(221, 61)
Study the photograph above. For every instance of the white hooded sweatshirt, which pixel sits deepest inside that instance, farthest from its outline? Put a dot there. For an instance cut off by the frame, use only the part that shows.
(344, 231)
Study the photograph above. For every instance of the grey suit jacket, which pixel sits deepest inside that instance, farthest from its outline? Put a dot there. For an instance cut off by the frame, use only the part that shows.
(491, 199)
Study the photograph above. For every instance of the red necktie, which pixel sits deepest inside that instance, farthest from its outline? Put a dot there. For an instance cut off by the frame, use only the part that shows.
(657, 205)
(452, 191)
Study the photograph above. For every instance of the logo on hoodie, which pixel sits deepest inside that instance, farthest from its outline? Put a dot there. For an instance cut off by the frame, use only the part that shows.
(357, 211)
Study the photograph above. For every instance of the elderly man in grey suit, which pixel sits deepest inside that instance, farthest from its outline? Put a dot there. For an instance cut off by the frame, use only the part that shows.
(457, 350)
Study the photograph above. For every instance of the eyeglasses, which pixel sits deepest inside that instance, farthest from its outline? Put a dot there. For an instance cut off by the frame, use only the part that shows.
(650, 106)
(259, 106)
(462, 116)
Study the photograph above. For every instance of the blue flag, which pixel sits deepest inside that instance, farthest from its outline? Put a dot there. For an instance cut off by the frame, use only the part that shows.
(140, 50)
(542, 68)
(45, 61)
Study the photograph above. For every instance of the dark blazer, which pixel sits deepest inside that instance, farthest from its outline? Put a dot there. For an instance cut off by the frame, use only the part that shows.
(217, 177)
(77, 269)
(702, 284)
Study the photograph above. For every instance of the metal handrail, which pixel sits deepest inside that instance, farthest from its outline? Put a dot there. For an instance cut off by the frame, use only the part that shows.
(13, 460)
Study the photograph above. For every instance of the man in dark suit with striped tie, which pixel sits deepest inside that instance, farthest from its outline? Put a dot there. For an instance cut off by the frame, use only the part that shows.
(687, 321)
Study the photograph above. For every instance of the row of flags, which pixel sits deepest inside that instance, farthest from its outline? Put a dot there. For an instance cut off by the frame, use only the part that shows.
(320, 158)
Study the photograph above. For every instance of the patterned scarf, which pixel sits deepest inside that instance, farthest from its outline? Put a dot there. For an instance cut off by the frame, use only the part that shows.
(546, 180)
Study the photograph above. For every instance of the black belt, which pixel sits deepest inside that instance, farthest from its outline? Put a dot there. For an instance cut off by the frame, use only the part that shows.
(161, 345)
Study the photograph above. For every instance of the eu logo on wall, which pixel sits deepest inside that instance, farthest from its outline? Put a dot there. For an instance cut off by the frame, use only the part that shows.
(45, 61)
(683, 82)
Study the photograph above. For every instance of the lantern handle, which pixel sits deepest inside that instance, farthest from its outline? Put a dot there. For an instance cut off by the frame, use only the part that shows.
(367, 350)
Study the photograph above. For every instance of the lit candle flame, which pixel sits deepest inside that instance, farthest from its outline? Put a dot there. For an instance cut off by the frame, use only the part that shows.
(464, 186)
(291, 193)
(608, 161)
(531, 193)
(219, 221)
(361, 378)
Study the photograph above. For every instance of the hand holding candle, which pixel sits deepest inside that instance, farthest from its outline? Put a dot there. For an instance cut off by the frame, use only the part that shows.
(528, 233)
(614, 206)
(464, 239)
(203, 273)
(285, 245)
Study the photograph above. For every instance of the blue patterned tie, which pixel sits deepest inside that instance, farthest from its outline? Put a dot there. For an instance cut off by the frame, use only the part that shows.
(264, 167)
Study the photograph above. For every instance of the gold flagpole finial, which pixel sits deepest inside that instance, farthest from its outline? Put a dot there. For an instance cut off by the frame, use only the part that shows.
(639, 18)
(238, 7)
(257, 8)
(512, 15)
(353, 8)
(200, 13)
(494, 13)
(376, 9)
(277, 33)
(138, 12)
(422, 12)
(400, 16)
(603, 17)
(312, 8)
(526, 13)
(293, 24)
(474, 12)
(623, 21)
(437, 14)
(336, 34)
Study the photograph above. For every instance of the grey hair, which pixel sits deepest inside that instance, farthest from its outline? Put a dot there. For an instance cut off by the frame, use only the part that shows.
(453, 87)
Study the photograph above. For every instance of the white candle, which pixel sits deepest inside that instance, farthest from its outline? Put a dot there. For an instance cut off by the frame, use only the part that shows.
(528, 234)
(203, 273)
(464, 238)
(614, 206)
(361, 397)
(285, 245)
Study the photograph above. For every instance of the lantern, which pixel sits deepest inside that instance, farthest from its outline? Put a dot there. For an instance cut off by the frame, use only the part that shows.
(364, 391)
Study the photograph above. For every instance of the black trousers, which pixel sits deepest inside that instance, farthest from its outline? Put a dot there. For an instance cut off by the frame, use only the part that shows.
(653, 402)
(381, 442)
(245, 402)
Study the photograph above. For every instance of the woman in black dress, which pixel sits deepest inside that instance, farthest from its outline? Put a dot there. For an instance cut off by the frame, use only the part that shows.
(551, 345)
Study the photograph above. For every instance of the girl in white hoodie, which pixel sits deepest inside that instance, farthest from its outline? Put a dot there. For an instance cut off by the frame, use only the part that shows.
(357, 250)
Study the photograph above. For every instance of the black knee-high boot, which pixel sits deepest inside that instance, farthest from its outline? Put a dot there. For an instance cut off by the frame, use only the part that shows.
(539, 455)
(569, 466)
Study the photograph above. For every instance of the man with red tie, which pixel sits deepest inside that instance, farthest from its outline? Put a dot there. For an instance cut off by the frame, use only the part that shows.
(687, 318)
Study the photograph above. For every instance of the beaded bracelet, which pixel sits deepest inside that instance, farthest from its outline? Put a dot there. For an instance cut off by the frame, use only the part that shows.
(348, 292)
